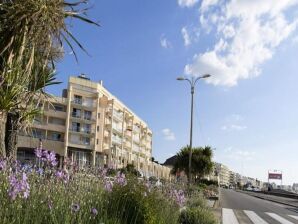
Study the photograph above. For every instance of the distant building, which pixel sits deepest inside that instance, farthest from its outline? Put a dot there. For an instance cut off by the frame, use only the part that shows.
(223, 173)
(233, 179)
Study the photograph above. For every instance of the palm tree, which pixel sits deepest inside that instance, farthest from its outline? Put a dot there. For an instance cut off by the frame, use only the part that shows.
(32, 36)
(201, 161)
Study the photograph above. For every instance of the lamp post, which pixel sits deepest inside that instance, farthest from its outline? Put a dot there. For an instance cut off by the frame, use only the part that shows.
(192, 83)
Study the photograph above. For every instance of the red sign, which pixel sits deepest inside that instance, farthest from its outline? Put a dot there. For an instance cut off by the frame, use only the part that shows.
(277, 176)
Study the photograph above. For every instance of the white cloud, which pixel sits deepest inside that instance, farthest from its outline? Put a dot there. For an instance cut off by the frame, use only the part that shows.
(168, 134)
(234, 122)
(247, 34)
(233, 127)
(187, 3)
(164, 42)
(185, 36)
(240, 155)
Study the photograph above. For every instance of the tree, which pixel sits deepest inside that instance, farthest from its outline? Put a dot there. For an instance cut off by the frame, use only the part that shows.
(201, 162)
(32, 36)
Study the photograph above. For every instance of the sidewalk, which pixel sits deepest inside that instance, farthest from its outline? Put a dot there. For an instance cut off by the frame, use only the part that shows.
(273, 198)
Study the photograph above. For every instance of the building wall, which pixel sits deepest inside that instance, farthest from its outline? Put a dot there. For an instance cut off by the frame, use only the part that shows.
(93, 127)
(223, 173)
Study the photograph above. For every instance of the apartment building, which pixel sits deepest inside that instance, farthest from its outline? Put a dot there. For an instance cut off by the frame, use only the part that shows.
(223, 173)
(92, 127)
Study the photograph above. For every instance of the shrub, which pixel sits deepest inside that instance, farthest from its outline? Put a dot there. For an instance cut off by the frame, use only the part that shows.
(133, 203)
(197, 201)
(197, 216)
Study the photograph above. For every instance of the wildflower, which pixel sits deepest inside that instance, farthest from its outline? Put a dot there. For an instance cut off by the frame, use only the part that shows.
(18, 186)
(120, 179)
(38, 153)
(179, 197)
(62, 175)
(51, 158)
(75, 207)
(2, 164)
(47, 156)
(94, 211)
(108, 186)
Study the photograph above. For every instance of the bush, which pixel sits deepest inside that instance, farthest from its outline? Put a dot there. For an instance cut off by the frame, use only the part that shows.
(197, 216)
(195, 202)
(134, 204)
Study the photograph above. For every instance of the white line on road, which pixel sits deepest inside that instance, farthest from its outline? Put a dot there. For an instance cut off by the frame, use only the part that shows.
(254, 217)
(279, 218)
(228, 216)
(294, 217)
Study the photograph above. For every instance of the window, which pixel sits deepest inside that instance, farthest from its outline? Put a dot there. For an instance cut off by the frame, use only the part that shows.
(58, 121)
(98, 115)
(59, 107)
(78, 99)
(36, 133)
(76, 126)
(87, 128)
(97, 141)
(86, 140)
(76, 112)
(87, 115)
(56, 136)
(97, 128)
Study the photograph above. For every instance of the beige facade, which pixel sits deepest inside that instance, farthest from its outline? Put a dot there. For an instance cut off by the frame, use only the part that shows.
(223, 173)
(92, 127)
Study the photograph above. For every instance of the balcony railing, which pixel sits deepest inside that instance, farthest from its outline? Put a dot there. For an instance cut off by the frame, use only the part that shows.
(117, 140)
(78, 101)
(76, 115)
(81, 143)
(82, 130)
(118, 115)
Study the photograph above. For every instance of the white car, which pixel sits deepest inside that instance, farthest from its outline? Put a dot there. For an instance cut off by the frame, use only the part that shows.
(257, 189)
(249, 189)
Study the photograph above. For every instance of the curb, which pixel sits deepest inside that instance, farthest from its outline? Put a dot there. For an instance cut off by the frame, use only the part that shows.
(267, 199)
(279, 202)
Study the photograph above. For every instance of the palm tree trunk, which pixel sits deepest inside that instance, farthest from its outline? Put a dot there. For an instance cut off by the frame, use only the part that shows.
(3, 119)
(11, 135)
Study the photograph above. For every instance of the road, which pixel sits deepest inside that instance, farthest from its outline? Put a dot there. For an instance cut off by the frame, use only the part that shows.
(240, 208)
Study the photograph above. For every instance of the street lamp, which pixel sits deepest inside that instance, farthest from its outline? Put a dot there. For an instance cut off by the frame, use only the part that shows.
(192, 83)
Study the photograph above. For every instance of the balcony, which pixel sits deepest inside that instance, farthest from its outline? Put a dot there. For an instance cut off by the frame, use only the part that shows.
(81, 144)
(118, 115)
(76, 115)
(116, 141)
(86, 131)
(84, 103)
(85, 118)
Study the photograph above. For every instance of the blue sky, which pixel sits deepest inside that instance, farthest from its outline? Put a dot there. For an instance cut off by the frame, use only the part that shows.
(247, 110)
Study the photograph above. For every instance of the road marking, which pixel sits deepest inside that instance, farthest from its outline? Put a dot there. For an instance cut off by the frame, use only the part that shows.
(228, 216)
(294, 216)
(254, 217)
(279, 218)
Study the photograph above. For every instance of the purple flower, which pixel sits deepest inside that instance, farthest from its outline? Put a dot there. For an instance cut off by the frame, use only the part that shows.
(18, 186)
(75, 207)
(38, 152)
(179, 197)
(94, 211)
(120, 179)
(47, 156)
(2, 164)
(62, 175)
(108, 186)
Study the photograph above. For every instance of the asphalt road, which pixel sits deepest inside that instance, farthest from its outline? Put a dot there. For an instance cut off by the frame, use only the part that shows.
(240, 208)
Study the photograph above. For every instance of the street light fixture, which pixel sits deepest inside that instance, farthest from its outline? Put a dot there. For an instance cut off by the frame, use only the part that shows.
(192, 83)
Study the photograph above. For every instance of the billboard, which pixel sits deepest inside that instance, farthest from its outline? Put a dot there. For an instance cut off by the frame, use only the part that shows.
(276, 176)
